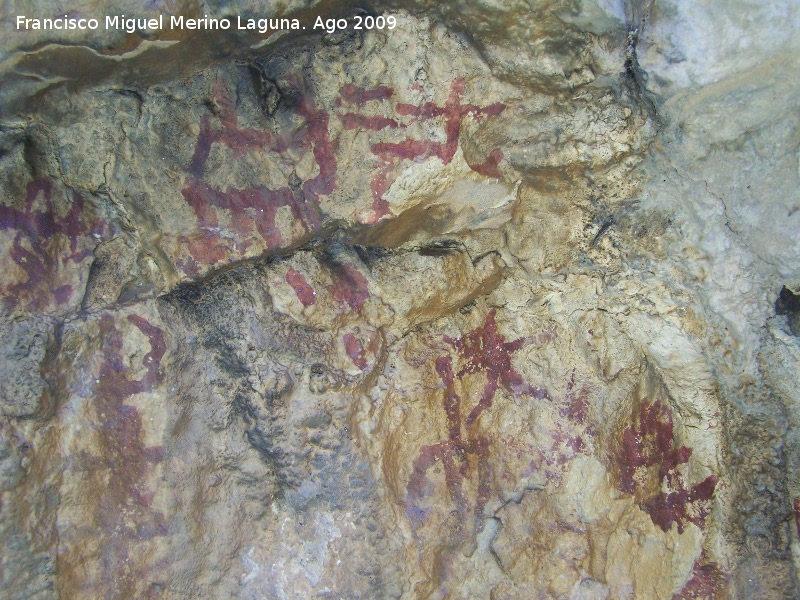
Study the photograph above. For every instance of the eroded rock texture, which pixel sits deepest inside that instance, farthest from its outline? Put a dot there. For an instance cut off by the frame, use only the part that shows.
(501, 303)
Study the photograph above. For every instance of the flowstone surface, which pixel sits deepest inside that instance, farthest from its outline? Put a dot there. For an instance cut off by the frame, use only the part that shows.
(501, 302)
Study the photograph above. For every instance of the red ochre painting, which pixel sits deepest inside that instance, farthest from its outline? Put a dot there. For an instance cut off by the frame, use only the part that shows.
(52, 236)
(252, 210)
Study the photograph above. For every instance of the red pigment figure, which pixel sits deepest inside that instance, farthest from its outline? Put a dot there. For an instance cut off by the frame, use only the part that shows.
(649, 443)
(482, 349)
(796, 510)
(452, 113)
(255, 207)
(305, 293)
(124, 505)
(707, 581)
(349, 286)
(486, 350)
(361, 344)
(33, 249)
(355, 350)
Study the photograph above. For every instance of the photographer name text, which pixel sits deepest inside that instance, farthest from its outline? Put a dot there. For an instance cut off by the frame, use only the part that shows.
(206, 23)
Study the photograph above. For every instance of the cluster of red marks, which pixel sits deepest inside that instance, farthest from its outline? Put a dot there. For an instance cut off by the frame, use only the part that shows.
(36, 247)
(451, 114)
(123, 512)
(648, 447)
(255, 207)
(570, 435)
(305, 293)
(350, 289)
(707, 582)
(466, 452)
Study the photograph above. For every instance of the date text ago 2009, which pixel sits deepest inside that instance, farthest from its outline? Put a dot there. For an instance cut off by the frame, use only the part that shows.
(356, 23)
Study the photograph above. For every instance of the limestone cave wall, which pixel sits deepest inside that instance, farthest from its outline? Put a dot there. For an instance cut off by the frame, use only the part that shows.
(501, 302)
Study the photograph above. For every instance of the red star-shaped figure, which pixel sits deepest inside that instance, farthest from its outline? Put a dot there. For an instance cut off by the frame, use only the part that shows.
(484, 349)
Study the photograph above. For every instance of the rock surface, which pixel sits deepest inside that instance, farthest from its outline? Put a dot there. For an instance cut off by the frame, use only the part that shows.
(501, 303)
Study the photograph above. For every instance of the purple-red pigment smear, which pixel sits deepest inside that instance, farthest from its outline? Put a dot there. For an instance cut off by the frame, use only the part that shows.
(490, 167)
(484, 349)
(708, 582)
(355, 350)
(355, 95)
(350, 286)
(796, 510)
